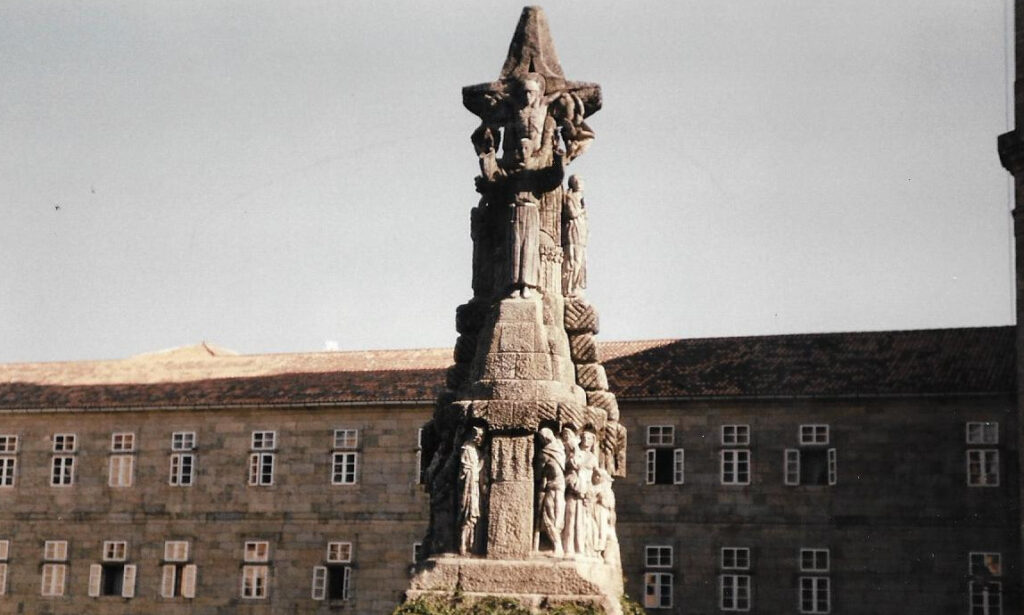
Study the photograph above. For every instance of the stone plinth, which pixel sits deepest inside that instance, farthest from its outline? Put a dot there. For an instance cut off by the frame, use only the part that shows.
(535, 582)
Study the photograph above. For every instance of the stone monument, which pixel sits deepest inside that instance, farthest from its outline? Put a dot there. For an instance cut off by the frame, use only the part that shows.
(525, 443)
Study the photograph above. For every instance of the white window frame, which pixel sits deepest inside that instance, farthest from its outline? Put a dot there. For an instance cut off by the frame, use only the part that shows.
(255, 579)
(817, 586)
(5, 550)
(183, 441)
(987, 462)
(984, 556)
(256, 551)
(737, 457)
(3, 578)
(122, 442)
(66, 476)
(736, 435)
(258, 461)
(741, 597)
(175, 563)
(346, 439)
(65, 443)
(833, 474)
(661, 435)
(319, 588)
(121, 469)
(991, 602)
(658, 556)
(820, 560)
(178, 469)
(8, 444)
(55, 551)
(115, 551)
(264, 440)
(419, 456)
(791, 466)
(678, 466)
(657, 581)
(814, 434)
(339, 552)
(176, 550)
(982, 433)
(8, 471)
(349, 473)
(52, 580)
(735, 558)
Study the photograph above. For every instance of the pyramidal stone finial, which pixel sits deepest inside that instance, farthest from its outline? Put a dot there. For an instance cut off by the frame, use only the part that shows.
(532, 50)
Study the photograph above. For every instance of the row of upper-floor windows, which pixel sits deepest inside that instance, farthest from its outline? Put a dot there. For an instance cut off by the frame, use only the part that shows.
(182, 459)
(115, 573)
(813, 462)
(814, 585)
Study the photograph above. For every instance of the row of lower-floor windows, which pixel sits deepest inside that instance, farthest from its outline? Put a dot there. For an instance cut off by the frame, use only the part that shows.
(115, 575)
(814, 589)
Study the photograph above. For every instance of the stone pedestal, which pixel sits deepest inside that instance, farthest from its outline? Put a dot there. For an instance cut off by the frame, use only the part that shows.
(536, 582)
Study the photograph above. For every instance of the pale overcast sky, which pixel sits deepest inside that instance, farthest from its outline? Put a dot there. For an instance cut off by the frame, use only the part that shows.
(270, 176)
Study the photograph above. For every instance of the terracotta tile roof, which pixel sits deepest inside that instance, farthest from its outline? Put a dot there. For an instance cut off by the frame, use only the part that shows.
(926, 362)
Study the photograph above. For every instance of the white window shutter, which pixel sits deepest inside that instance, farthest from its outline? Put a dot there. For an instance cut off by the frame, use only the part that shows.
(650, 466)
(792, 466)
(3, 579)
(169, 576)
(678, 466)
(128, 589)
(832, 475)
(319, 582)
(188, 581)
(95, 576)
(254, 468)
(347, 583)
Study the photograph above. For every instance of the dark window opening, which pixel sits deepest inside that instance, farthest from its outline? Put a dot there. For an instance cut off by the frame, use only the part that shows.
(813, 466)
(336, 586)
(663, 465)
(113, 579)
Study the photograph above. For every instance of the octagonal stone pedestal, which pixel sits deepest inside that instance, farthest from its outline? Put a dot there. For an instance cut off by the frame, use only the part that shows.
(536, 582)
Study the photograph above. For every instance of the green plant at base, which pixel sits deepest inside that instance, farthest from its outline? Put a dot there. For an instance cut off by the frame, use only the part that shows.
(457, 605)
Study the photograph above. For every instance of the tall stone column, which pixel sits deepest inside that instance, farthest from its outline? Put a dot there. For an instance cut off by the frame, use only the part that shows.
(525, 443)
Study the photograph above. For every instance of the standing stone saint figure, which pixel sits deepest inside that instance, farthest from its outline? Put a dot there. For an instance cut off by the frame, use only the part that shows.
(470, 465)
(551, 495)
(574, 237)
(579, 467)
(524, 244)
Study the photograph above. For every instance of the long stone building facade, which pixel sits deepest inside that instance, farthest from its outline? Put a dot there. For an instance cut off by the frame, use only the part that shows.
(829, 473)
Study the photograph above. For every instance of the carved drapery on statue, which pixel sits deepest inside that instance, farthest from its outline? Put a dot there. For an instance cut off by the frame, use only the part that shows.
(525, 442)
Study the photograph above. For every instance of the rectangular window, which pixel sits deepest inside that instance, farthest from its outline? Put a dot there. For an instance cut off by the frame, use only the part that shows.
(813, 466)
(54, 573)
(254, 581)
(112, 580)
(983, 432)
(5, 548)
(813, 434)
(182, 466)
(53, 579)
(257, 551)
(792, 466)
(417, 551)
(7, 469)
(815, 595)
(657, 590)
(339, 552)
(658, 556)
(814, 560)
(666, 466)
(660, 435)
(263, 440)
(178, 578)
(343, 468)
(63, 471)
(122, 442)
(736, 435)
(986, 598)
(8, 443)
(121, 467)
(735, 558)
(735, 467)
(261, 469)
(985, 564)
(346, 438)
(983, 467)
(64, 443)
(115, 551)
(55, 550)
(183, 441)
(734, 592)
